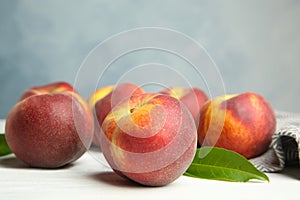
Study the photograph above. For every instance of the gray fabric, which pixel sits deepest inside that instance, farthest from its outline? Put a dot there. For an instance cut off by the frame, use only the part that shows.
(285, 146)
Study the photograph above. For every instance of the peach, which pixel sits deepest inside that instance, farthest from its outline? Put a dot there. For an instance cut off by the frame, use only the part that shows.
(193, 98)
(149, 138)
(104, 99)
(55, 87)
(243, 123)
(50, 126)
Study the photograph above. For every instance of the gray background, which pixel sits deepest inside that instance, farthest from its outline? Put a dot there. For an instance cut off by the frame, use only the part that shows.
(255, 44)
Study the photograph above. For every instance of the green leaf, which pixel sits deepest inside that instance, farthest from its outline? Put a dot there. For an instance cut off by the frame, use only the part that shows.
(221, 164)
(4, 148)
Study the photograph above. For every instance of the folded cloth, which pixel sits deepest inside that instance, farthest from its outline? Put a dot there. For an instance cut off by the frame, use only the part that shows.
(285, 145)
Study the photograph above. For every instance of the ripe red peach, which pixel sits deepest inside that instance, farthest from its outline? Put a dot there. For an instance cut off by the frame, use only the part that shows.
(193, 98)
(50, 126)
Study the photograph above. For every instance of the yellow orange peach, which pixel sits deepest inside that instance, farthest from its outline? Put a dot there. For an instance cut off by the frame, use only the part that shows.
(243, 123)
(104, 99)
(149, 138)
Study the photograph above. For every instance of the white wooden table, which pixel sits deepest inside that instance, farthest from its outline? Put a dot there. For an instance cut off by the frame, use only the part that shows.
(89, 179)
